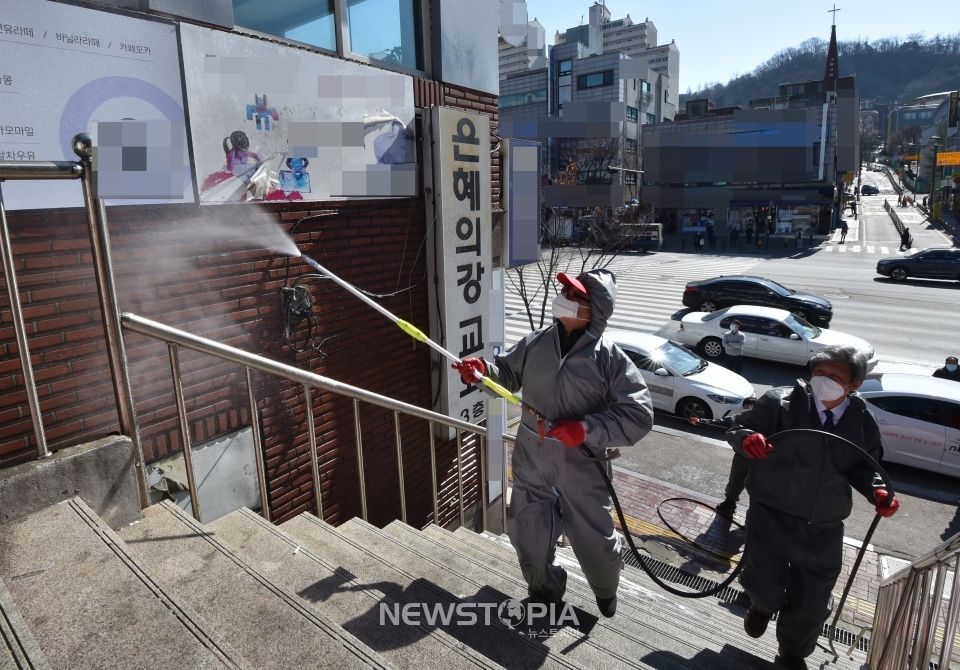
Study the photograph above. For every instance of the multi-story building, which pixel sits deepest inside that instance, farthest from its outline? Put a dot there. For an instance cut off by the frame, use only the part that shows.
(918, 113)
(530, 55)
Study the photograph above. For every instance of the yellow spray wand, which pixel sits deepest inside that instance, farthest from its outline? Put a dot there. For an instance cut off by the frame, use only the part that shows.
(411, 330)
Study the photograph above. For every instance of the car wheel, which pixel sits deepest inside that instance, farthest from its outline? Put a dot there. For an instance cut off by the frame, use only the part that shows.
(800, 313)
(708, 306)
(691, 406)
(898, 274)
(711, 347)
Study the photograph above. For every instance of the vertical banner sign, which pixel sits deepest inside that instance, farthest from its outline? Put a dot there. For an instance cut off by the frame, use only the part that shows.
(954, 99)
(459, 253)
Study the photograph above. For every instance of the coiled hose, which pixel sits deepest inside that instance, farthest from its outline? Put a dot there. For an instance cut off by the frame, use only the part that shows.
(729, 580)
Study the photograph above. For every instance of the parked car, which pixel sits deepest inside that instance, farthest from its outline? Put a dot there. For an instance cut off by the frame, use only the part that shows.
(713, 294)
(929, 264)
(680, 381)
(919, 417)
(869, 189)
(771, 334)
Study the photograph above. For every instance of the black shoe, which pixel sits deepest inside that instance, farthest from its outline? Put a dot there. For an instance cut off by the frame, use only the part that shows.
(539, 597)
(755, 623)
(727, 508)
(789, 662)
(607, 606)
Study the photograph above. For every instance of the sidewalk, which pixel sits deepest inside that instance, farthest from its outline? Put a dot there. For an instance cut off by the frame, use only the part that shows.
(720, 541)
(774, 247)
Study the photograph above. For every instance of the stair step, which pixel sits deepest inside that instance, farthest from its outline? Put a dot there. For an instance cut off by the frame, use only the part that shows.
(651, 640)
(89, 602)
(372, 566)
(342, 597)
(265, 622)
(18, 649)
(638, 591)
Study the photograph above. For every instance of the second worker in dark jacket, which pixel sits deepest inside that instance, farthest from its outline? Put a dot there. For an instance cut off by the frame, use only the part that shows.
(800, 498)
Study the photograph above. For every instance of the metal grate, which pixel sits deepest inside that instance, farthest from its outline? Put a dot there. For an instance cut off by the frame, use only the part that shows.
(734, 596)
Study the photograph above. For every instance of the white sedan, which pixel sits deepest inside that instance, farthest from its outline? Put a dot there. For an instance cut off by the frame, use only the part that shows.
(680, 381)
(772, 334)
(919, 417)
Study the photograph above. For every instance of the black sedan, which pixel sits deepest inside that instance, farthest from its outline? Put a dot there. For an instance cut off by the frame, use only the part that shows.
(929, 264)
(869, 189)
(713, 294)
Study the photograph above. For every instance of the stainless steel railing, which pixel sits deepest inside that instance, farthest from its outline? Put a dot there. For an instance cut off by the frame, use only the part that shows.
(911, 614)
(175, 338)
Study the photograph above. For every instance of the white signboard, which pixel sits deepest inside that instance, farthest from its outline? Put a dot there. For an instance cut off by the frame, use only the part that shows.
(460, 167)
(64, 68)
(270, 122)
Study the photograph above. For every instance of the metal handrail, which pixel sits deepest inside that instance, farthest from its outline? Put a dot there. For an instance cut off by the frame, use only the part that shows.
(910, 610)
(175, 338)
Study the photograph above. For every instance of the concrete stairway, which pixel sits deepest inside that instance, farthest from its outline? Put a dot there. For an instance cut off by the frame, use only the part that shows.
(242, 593)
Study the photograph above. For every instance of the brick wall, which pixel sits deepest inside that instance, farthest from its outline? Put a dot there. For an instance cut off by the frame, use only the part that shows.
(231, 293)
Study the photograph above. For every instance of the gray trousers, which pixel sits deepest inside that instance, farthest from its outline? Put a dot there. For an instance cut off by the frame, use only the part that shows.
(738, 477)
(556, 489)
(791, 567)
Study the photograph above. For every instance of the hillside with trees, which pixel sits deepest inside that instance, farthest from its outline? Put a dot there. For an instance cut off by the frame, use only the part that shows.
(892, 68)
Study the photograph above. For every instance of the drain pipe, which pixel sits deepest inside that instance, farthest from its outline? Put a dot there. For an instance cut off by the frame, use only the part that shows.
(110, 312)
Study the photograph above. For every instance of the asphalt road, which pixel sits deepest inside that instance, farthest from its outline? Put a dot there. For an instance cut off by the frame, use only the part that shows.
(928, 502)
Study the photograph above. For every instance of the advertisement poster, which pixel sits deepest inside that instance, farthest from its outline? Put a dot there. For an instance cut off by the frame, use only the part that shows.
(275, 123)
(65, 68)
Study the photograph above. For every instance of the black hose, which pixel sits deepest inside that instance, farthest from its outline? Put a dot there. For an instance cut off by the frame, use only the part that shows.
(888, 484)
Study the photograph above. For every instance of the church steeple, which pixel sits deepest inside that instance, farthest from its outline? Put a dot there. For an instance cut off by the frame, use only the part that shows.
(832, 70)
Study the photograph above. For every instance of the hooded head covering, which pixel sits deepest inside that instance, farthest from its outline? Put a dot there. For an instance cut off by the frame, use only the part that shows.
(601, 285)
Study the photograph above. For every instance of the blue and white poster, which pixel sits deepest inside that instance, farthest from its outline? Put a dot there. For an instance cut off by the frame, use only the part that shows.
(63, 69)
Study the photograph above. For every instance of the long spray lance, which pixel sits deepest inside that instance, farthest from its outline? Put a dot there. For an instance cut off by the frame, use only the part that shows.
(420, 336)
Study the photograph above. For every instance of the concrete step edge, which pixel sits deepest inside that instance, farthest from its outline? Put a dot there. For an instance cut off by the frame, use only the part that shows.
(309, 518)
(320, 621)
(191, 620)
(397, 526)
(16, 635)
(350, 581)
(495, 546)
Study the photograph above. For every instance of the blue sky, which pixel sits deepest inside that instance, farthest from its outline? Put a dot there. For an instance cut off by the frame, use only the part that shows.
(722, 38)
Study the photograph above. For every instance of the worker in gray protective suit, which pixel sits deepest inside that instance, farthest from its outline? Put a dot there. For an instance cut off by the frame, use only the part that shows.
(572, 374)
(799, 499)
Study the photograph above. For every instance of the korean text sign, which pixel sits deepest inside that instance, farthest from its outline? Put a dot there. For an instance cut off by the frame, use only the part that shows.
(460, 205)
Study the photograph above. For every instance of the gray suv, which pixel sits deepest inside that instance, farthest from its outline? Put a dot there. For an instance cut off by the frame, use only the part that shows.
(929, 264)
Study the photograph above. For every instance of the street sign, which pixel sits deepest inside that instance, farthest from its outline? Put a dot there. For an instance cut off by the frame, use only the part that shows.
(948, 158)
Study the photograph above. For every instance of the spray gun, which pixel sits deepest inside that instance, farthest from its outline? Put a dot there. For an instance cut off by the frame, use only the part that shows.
(544, 423)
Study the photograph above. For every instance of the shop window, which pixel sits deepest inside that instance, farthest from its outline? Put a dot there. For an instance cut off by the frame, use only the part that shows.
(386, 30)
(312, 24)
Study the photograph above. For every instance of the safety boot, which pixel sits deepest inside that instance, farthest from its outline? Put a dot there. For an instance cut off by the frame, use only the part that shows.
(755, 623)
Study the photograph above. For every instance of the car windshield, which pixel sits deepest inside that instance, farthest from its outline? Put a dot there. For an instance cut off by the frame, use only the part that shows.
(800, 325)
(782, 290)
(680, 360)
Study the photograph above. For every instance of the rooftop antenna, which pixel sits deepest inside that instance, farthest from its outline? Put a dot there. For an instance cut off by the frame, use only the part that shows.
(834, 12)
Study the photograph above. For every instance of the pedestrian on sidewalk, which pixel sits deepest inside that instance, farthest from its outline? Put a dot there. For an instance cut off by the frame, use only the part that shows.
(712, 237)
(949, 370)
(900, 200)
(905, 240)
(698, 241)
(795, 519)
(738, 468)
(599, 401)
(924, 202)
(853, 209)
(844, 228)
(749, 234)
(734, 233)
(800, 237)
(733, 346)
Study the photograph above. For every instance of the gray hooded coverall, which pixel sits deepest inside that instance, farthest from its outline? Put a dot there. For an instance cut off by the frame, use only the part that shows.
(798, 502)
(598, 384)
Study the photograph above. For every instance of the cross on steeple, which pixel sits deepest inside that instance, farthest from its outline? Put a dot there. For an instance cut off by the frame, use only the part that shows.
(834, 12)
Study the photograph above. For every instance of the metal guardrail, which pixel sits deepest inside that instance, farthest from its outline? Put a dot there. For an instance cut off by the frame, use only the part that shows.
(910, 609)
(175, 338)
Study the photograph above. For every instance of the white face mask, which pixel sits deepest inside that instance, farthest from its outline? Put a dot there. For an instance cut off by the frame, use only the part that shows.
(564, 308)
(825, 389)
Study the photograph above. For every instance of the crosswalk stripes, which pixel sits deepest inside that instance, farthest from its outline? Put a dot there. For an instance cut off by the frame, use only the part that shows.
(858, 249)
(650, 291)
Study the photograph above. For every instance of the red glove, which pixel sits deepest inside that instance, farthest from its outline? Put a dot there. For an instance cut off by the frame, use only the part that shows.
(756, 446)
(883, 509)
(469, 368)
(571, 433)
